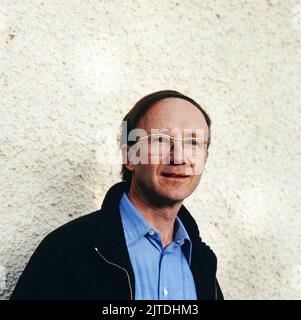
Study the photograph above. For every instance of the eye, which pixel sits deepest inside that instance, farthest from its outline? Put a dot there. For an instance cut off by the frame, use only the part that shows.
(193, 142)
(161, 139)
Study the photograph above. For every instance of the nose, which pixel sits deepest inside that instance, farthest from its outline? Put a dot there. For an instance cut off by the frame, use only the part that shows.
(176, 152)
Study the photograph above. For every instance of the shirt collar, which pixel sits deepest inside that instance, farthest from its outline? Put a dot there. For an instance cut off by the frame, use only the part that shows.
(137, 227)
(180, 234)
(181, 237)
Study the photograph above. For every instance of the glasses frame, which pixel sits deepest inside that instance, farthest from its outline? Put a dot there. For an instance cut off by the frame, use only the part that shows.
(172, 139)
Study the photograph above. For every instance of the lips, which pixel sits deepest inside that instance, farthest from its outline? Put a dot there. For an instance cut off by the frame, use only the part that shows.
(174, 175)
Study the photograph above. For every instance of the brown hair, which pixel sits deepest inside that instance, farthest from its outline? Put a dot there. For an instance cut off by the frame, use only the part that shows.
(136, 113)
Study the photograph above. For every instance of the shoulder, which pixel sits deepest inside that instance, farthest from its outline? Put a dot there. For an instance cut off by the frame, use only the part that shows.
(205, 250)
(73, 233)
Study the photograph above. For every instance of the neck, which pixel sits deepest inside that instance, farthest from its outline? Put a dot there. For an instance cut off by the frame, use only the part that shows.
(160, 217)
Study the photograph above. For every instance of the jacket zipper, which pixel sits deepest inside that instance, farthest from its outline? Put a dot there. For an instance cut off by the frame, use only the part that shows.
(118, 266)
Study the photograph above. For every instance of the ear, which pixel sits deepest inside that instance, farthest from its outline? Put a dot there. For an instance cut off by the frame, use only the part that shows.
(125, 159)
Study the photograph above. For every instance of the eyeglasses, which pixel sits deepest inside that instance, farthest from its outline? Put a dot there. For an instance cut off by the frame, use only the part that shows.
(162, 144)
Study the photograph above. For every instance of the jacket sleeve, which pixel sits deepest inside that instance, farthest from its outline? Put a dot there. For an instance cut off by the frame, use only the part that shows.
(42, 276)
(219, 294)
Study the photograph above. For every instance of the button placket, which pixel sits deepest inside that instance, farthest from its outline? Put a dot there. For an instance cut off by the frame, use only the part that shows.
(151, 232)
(165, 291)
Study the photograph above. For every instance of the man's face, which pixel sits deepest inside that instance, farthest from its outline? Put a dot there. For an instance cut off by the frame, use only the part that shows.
(157, 180)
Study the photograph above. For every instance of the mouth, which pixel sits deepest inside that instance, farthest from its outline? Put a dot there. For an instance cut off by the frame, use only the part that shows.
(177, 176)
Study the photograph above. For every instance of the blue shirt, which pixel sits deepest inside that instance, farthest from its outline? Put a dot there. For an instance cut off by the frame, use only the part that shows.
(160, 273)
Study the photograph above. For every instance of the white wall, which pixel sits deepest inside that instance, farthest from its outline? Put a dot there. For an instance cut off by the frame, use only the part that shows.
(69, 69)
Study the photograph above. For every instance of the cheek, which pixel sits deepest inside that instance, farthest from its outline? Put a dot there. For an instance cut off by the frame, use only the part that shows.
(195, 170)
(198, 169)
(146, 171)
(196, 180)
(195, 167)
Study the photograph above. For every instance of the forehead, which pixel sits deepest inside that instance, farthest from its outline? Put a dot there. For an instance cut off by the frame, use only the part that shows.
(173, 113)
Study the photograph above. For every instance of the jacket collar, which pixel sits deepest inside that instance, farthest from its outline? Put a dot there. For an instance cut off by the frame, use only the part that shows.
(110, 209)
(111, 240)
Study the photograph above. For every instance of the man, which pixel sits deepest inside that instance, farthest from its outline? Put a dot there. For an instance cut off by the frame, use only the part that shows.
(143, 243)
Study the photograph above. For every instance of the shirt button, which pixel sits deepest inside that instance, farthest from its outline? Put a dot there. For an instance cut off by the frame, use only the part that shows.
(178, 241)
(165, 291)
(151, 232)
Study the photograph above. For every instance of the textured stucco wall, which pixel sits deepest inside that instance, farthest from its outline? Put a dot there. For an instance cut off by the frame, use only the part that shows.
(69, 71)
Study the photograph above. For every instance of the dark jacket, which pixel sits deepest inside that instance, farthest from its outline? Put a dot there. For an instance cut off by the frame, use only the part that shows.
(87, 258)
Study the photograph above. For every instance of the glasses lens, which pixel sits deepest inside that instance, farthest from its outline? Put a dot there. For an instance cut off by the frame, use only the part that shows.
(161, 144)
(194, 143)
